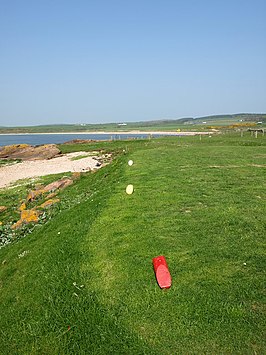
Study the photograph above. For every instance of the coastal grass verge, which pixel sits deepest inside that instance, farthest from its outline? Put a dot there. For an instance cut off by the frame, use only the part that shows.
(9, 161)
(83, 282)
(12, 197)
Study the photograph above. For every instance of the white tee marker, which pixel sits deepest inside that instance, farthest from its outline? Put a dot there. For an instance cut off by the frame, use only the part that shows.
(130, 162)
(129, 189)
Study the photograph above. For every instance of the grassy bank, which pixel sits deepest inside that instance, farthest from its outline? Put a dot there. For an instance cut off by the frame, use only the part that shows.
(83, 282)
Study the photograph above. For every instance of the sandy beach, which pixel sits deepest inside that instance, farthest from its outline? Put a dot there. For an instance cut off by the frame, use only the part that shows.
(31, 169)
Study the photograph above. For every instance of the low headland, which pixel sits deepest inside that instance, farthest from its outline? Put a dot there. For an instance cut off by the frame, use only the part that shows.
(165, 126)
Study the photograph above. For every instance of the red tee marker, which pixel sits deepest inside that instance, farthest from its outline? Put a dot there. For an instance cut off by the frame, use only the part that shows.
(162, 272)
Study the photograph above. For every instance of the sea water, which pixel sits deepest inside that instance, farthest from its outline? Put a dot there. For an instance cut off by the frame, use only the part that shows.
(39, 139)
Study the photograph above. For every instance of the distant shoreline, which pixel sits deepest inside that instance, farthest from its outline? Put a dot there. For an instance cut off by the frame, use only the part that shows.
(167, 133)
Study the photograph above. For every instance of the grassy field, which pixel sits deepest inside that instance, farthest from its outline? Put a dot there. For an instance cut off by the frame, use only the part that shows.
(83, 282)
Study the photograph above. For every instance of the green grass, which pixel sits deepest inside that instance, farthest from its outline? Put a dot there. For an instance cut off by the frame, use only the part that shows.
(9, 161)
(83, 282)
(80, 157)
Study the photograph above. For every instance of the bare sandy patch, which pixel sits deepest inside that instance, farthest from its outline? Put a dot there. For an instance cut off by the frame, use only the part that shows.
(31, 169)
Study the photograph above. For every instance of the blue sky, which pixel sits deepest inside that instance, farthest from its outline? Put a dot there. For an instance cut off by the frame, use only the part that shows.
(112, 60)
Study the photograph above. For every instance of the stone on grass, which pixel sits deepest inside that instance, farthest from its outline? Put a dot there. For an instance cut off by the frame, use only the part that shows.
(76, 175)
(59, 184)
(51, 195)
(49, 203)
(23, 207)
(33, 194)
(26, 216)
(3, 208)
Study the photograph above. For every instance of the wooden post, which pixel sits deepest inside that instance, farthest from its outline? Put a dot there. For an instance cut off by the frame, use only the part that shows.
(241, 134)
(256, 134)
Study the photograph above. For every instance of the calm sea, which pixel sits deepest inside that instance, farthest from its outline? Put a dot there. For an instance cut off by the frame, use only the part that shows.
(38, 139)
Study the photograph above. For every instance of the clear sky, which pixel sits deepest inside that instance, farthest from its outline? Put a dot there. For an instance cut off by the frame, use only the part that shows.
(93, 61)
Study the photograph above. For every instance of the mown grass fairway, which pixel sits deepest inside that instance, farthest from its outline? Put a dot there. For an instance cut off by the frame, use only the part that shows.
(85, 284)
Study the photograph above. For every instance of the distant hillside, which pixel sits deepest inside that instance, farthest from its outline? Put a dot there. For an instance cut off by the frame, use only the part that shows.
(239, 117)
(188, 123)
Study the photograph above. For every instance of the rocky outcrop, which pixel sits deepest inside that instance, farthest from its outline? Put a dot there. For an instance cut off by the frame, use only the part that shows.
(49, 203)
(48, 193)
(52, 187)
(80, 141)
(28, 152)
(51, 195)
(27, 216)
(33, 194)
(59, 184)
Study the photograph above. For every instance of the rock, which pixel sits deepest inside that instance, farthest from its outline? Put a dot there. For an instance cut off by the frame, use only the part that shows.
(76, 175)
(80, 141)
(65, 183)
(26, 216)
(59, 184)
(17, 225)
(22, 207)
(28, 152)
(8, 150)
(49, 203)
(3, 208)
(51, 195)
(33, 194)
